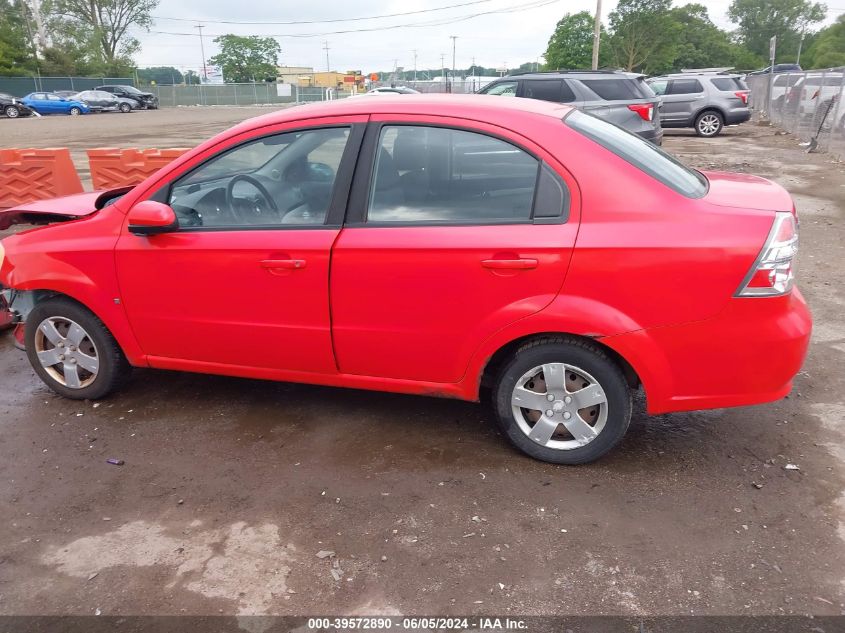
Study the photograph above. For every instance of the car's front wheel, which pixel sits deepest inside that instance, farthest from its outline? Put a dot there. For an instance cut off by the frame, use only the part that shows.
(75, 111)
(125, 107)
(72, 351)
(12, 112)
(562, 400)
(709, 124)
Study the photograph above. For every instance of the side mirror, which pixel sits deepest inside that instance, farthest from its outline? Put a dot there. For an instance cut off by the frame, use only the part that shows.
(150, 218)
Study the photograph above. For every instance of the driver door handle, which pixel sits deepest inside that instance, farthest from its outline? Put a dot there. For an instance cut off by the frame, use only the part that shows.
(510, 264)
(283, 264)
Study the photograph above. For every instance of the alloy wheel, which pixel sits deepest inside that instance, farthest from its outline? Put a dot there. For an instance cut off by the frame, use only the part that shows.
(708, 124)
(67, 352)
(559, 406)
(12, 112)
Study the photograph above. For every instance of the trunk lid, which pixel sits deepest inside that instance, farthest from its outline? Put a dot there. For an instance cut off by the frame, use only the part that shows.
(729, 189)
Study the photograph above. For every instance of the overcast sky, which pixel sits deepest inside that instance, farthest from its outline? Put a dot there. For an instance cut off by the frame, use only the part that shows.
(510, 36)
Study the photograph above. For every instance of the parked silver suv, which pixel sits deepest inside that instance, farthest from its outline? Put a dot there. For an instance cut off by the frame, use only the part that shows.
(704, 101)
(618, 97)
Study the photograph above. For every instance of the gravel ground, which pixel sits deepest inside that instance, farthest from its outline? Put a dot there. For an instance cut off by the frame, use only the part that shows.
(231, 487)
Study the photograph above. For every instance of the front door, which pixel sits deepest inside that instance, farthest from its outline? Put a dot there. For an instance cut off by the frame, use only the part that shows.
(683, 98)
(452, 234)
(243, 281)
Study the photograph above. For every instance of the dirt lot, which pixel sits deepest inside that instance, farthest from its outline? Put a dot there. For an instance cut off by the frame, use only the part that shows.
(231, 487)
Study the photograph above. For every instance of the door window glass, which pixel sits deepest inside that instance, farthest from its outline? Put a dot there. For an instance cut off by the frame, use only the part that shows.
(543, 89)
(441, 175)
(276, 180)
(684, 87)
(659, 86)
(504, 89)
(613, 89)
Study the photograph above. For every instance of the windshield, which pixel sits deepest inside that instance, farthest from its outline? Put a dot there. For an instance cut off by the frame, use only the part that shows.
(640, 153)
(131, 89)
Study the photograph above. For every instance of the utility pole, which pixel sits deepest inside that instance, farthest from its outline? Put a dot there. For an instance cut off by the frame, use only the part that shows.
(200, 27)
(415, 65)
(326, 48)
(443, 66)
(596, 35)
(800, 45)
(454, 39)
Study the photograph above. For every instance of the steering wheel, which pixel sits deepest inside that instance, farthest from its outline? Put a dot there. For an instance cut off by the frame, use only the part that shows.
(230, 193)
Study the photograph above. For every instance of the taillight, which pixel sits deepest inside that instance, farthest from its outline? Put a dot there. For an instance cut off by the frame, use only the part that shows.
(645, 110)
(743, 96)
(773, 272)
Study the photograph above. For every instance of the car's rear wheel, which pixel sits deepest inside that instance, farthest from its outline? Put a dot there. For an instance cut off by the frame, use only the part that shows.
(562, 400)
(12, 112)
(74, 111)
(72, 351)
(125, 107)
(709, 124)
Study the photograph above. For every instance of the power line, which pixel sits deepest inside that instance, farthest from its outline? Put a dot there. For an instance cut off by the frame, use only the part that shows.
(441, 22)
(369, 17)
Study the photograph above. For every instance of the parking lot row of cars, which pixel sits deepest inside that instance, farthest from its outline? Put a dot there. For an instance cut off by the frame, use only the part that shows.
(110, 98)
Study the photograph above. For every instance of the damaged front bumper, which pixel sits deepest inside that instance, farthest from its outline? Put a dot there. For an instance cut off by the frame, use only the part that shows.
(14, 306)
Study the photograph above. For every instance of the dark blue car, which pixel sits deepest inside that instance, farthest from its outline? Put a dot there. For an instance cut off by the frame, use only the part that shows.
(48, 103)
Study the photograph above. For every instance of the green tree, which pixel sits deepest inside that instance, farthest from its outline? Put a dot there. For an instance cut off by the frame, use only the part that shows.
(192, 78)
(571, 45)
(759, 20)
(103, 25)
(643, 35)
(246, 58)
(17, 55)
(160, 75)
(828, 47)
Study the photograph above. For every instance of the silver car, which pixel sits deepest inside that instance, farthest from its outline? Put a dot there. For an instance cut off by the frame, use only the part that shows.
(618, 97)
(706, 102)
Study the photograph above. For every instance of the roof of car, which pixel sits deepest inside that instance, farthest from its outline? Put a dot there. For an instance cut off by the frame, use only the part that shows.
(501, 110)
(581, 74)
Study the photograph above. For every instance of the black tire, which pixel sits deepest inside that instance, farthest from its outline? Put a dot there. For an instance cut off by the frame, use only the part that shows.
(125, 108)
(74, 111)
(113, 366)
(709, 123)
(581, 354)
(12, 112)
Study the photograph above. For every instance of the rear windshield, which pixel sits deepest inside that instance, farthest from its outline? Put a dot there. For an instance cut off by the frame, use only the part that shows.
(728, 83)
(640, 153)
(614, 89)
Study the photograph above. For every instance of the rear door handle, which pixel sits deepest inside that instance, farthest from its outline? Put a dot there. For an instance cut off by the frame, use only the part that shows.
(283, 264)
(509, 264)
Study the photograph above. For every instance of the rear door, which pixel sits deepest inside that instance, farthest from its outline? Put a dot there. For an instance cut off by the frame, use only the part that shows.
(682, 99)
(452, 233)
(555, 90)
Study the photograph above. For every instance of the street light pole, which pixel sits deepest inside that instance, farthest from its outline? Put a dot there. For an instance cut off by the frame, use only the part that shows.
(326, 48)
(454, 39)
(596, 35)
(200, 27)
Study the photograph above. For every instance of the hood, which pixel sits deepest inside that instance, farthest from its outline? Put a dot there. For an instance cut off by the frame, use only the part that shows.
(58, 209)
(747, 192)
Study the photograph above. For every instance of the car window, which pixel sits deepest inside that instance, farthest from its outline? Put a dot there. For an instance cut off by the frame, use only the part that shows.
(727, 83)
(613, 89)
(503, 89)
(783, 80)
(441, 175)
(659, 86)
(40, 96)
(640, 153)
(54, 97)
(684, 87)
(547, 90)
(284, 179)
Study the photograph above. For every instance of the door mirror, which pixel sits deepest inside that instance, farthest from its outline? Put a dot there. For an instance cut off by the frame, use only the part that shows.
(150, 217)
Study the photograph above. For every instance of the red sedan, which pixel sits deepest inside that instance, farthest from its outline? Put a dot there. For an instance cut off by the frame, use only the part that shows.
(438, 245)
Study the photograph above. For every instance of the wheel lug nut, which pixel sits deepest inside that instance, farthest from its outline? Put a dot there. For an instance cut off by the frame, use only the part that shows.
(550, 397)
(566, 415)
(72, 361)
(61, 356)
(567, 399)
(549, 412)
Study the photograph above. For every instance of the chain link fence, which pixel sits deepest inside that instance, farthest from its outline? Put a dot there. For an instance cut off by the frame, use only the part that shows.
(808, 104)
(22, 86)
(267, 93)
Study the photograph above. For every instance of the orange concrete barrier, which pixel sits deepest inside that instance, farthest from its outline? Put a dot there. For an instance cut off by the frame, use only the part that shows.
(112, 167)
(36, 174)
